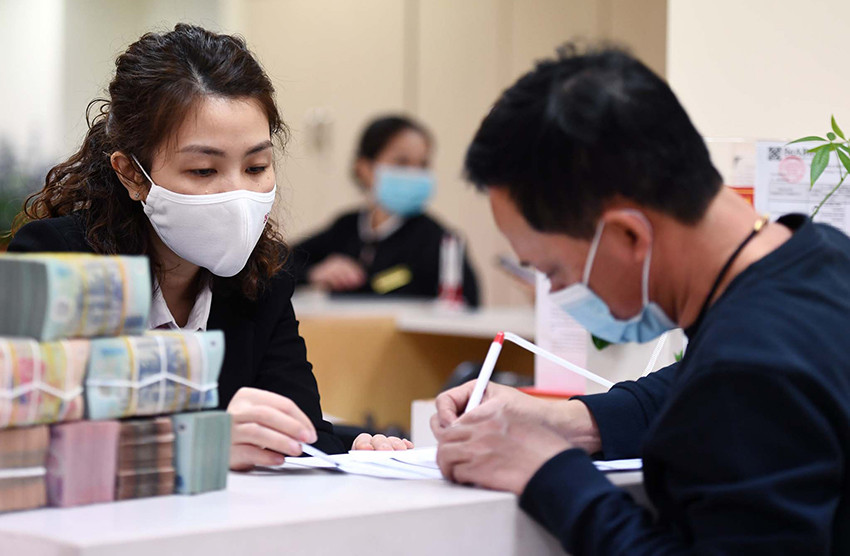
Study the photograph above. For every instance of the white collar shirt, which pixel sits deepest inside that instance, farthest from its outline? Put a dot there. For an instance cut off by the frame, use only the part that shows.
(161, 317)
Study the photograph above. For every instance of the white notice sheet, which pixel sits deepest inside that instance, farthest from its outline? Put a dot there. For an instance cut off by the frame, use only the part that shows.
(559, 333)
(782, 184)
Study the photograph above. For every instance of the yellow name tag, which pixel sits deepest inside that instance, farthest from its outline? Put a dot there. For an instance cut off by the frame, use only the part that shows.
(391, 279)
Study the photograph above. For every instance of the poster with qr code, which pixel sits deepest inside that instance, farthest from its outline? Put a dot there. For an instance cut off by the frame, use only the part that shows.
(782, 184)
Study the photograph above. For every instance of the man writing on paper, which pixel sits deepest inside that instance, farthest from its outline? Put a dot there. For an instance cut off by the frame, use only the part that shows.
(597, 177)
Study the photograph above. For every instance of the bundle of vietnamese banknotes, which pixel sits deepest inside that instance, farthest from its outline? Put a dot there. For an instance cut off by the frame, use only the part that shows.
(55, 296)
(23, 453)
(201, 451)
(41, 382)
(81, 463)
(161, 372)
(145, 458)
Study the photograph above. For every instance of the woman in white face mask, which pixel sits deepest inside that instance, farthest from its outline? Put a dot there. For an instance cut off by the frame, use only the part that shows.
(390, 246)
(178, 165)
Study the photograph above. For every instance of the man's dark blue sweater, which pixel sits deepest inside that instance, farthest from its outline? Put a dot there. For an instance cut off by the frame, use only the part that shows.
(746, 442)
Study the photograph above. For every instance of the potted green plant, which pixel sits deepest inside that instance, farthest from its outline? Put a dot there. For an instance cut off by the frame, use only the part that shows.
(834, 142)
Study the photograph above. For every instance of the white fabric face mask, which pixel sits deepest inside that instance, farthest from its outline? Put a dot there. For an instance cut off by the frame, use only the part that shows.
(217, 232)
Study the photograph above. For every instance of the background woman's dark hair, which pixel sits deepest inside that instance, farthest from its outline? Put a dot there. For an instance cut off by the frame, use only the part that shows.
(585, 128)
(157, 81)
(380, 131)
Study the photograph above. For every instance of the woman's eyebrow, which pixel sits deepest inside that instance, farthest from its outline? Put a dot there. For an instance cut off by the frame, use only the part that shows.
(259, 147)
(202, 149)
(212, 151)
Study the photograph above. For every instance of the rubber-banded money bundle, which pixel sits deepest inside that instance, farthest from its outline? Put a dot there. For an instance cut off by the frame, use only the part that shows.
(23, 452)
(159, 373)
(41, 382)
(52, 296)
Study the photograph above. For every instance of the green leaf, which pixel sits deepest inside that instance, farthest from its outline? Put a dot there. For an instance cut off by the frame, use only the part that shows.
(828, 146)
(837, 129)
(845, 160)
(819, 163)
(806, 139)
(599, 342)
(830, 136)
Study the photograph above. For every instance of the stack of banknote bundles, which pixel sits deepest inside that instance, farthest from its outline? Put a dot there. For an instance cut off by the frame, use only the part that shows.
(81, 463)
(49, 297)
(74, 344)
(145, 458)
(202, 451)
(23, 454)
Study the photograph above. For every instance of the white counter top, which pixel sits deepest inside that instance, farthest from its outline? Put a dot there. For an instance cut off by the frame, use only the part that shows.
(294, 512)
(422, 317)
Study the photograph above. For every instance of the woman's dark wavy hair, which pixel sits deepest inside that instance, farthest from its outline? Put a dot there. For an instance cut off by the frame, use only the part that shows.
(157, 82)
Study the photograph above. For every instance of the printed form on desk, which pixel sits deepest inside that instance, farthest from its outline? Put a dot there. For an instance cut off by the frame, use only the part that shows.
(415, 464)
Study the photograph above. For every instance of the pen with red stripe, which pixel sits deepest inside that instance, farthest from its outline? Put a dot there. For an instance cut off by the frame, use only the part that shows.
(486, 372)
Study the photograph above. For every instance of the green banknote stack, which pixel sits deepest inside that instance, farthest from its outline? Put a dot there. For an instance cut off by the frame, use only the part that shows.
(53, 296)
(202, 450)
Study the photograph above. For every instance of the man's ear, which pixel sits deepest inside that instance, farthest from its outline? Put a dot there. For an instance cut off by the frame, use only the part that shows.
(632, 231)
(129, 175)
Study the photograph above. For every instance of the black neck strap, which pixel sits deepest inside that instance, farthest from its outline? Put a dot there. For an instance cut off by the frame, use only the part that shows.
(757, 227)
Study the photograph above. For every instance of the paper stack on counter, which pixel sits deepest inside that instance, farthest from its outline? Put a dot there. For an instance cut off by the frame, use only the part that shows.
(41, 383)
(23, 453)
(161, 372)
(415, 464)
(53, 296)
(81, 463)
(145, 458)
(202, 451)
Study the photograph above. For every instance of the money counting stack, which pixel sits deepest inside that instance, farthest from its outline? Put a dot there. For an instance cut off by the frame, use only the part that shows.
(145, 458)
(74, 345)
(22, 459)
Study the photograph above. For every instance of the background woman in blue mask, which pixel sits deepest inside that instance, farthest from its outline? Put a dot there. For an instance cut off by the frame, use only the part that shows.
(178, 165)
(390, 246)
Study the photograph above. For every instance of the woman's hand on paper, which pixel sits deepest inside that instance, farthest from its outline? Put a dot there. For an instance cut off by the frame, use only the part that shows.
(494, 446)
(265, 426)
(366, 441)
(337, 273)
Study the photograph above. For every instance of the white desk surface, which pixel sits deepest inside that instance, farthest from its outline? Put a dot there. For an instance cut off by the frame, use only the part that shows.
(423, 317)
(296, 512)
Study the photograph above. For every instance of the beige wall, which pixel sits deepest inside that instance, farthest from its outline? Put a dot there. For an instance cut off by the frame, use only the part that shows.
(30, 71)
(337, 63)
(443, 61)
(95, 32)
(760, 68)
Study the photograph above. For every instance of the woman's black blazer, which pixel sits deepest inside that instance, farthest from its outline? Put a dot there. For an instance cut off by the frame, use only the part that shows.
(262, 346)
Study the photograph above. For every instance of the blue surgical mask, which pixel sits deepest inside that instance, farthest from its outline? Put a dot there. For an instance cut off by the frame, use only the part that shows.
(593, 313)
(403, 191)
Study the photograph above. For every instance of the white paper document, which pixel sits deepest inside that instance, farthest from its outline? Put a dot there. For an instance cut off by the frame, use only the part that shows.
(416, 464)
(419, 463)
(619, 465)
(558, 333)
(783, 184)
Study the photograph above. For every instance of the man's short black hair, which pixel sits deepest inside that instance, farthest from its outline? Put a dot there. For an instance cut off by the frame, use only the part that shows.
(585, 128)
